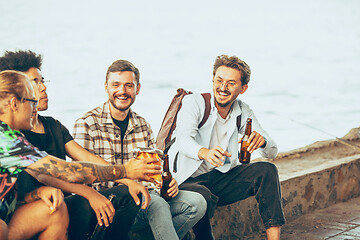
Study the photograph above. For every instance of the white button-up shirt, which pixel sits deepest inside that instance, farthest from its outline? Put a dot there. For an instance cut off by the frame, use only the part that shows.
(190, 139)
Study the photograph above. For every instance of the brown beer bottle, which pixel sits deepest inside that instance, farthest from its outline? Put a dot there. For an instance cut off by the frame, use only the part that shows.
(244, 153)
(166, 179)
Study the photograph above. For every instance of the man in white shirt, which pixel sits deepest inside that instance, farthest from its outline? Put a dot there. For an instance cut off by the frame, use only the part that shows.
(206, 159)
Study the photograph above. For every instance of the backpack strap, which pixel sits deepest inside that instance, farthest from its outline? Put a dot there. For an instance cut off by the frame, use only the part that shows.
(207, 97)
(169, 122)
(238, 122)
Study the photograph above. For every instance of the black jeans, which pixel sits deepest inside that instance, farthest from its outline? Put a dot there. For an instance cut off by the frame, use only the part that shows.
(83, 218)
(258, 179)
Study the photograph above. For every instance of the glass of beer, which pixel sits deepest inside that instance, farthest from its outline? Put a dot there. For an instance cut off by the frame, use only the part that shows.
(146, 152)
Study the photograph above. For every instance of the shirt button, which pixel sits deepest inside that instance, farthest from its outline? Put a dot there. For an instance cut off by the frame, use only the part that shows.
(117, 135)
(117, 155)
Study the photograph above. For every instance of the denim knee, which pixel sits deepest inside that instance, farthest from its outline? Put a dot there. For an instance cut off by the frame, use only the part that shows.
(210, 199)
(194, 204)
(157, 205)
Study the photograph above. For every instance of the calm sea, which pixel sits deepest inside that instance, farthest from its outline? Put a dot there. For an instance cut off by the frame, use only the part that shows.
(304, 56)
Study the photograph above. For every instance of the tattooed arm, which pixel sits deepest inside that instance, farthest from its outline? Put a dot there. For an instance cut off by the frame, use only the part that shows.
(77, 172)
(86, 172)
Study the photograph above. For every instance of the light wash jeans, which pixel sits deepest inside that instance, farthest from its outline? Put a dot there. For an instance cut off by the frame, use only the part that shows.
(173, 219)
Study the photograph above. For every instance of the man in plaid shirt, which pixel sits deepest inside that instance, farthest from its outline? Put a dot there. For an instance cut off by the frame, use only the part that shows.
(113, 130)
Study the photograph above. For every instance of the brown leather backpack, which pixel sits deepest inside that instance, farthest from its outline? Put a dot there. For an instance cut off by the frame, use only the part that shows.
(164, 138)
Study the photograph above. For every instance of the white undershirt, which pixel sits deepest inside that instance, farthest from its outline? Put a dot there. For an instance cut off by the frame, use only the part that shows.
(218, 138)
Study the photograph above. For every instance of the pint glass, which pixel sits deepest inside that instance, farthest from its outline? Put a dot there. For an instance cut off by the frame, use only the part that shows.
(146, 152)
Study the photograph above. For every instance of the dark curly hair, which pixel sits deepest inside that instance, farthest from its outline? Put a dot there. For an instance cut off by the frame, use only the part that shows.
(20, 60)
(235, 63)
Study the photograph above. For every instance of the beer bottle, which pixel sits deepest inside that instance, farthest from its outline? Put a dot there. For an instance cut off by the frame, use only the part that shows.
(244, 153)
(99, 231)
(166, 179)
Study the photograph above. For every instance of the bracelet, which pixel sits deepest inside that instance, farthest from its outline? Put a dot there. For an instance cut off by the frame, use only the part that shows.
(115, 172)
(119, 172)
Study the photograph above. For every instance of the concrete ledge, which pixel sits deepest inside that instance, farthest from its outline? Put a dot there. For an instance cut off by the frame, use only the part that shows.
(314, 177)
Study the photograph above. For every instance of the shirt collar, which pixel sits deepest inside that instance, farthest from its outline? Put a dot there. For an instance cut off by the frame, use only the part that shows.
(107, 119)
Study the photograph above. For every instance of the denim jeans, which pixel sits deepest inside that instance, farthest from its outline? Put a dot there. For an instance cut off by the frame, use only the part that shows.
(172, 219)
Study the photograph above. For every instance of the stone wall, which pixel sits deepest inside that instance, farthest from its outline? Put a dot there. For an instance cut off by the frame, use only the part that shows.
(300, 195)
(321, 189)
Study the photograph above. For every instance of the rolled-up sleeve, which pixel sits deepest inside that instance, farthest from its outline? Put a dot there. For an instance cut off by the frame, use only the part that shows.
(82, 134)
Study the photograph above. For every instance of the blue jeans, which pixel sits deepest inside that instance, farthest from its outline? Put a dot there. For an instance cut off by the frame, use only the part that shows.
(185, 210)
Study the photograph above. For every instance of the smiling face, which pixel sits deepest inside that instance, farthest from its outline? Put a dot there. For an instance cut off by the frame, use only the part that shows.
(122, 89)
(37, 79)
(227, 86)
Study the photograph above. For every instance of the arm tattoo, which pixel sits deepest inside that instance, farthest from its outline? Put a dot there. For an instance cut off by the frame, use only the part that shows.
(78, 172)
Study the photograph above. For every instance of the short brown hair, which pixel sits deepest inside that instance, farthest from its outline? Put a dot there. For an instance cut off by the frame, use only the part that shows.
(12, 83)
(235, 63)
(121, 66)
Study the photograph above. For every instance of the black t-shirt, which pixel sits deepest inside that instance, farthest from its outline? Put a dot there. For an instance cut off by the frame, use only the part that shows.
(53, 140)
(123, 125)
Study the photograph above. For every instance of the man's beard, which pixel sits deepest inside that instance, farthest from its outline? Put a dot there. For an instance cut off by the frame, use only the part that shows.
(225, 104)
(122, 109)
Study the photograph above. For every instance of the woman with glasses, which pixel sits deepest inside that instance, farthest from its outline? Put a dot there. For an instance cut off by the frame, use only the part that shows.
(44, 211)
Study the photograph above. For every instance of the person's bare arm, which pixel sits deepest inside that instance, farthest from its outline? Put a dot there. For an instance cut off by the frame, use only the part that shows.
(77, 172)
(78, 153)
(87, 173)
(102, 207)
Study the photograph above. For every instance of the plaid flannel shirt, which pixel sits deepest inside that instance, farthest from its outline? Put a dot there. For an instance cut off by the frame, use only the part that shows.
(97, 133)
